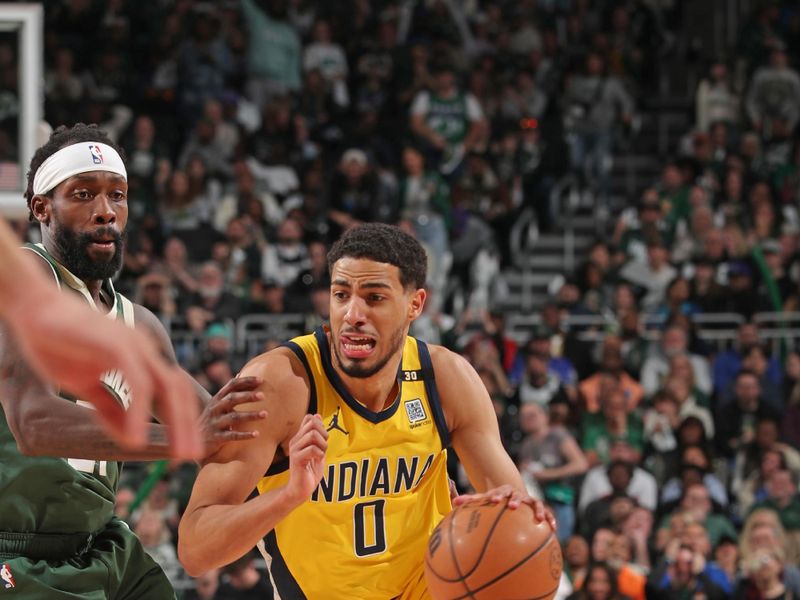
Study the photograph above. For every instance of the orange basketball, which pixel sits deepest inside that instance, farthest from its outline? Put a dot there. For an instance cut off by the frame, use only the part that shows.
(488, 551)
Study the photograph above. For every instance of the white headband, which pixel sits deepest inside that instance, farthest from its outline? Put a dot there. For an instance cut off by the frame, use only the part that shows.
(77, 158)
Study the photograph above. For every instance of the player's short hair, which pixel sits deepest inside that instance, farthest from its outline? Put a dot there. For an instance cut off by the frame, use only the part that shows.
(386, 244)
(62, 137)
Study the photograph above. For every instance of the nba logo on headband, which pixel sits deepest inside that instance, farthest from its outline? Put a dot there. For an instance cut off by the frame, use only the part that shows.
(97, 155)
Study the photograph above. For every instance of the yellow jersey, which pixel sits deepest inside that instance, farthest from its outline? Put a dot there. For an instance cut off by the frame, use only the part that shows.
(363, 532)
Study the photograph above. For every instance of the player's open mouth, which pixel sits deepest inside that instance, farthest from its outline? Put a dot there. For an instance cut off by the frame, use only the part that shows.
(356, 346)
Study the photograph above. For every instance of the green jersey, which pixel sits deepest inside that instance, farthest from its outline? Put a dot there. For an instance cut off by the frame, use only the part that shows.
(448, 117)
(62, 495)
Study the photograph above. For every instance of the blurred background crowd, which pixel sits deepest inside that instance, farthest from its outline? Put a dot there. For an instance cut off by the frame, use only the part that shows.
(649, 390)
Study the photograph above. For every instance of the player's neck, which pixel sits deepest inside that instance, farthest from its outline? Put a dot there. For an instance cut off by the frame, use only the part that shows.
(376, 392)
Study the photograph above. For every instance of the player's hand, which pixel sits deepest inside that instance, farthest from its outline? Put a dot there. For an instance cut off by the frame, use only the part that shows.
(67, 343)
(306, 458)
(514, 497)
(219, 418)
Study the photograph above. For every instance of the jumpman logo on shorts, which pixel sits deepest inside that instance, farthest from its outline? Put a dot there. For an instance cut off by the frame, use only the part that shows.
(334, 424)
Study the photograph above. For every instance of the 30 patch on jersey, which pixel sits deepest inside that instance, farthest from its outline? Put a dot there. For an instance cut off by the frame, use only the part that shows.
(7, 577)
(415, 411)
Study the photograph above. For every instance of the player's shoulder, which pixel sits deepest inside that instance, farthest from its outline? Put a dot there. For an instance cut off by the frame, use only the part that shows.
(284, 376)
(444, 359)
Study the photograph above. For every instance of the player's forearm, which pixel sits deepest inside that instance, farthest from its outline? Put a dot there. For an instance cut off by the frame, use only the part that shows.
(57, 427)
(213, 536)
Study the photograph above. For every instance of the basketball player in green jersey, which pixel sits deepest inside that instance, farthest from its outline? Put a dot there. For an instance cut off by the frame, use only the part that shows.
(351, 464)
(58, 536)
(69, 344)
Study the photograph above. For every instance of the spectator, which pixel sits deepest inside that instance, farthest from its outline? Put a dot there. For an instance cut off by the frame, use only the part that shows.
(763, 576)
(540, 343)
(552, 457)
(771, 104)
(660, 421)
(696, 506)
(357, 194)
(212, 296)
(538, 383)
(611, 375)
(653, 276)
(642, 486)
(615, 422)
(205, 62)
(597, 513)
(695, 466)
(682, 578)
(242, 581)
(750, 485)
(716, 100)
(631, 579)
(273, 52)
(728, 363)
(425, 206)
(784, 499)
(283, 261)
(679, 387)
(736, 420)
(595, 106)
(152, 531)
(450, 121)
(633, 229)
(576, 560)
(600, 584)
(205, 586)
(674, 341)
(706, 292)
(328, 57)
(763, 531)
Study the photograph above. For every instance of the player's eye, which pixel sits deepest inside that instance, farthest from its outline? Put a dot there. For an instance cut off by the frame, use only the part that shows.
(375, 297)
(118, 195)
(340, 295)
(82, 194)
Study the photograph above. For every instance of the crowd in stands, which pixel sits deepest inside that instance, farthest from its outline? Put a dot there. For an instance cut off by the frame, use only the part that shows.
(258, 130)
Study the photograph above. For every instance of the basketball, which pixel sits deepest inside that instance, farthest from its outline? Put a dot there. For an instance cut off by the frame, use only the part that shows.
(489, 551)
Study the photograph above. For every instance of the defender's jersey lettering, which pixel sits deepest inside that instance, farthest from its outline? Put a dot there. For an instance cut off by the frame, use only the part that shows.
(383, 490)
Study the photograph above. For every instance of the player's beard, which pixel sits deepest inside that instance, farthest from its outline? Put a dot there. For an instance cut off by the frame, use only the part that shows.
(73, 250)
(361, 371)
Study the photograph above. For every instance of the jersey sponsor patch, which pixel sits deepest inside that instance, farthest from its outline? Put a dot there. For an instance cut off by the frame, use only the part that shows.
(415, 410)
(7, 577)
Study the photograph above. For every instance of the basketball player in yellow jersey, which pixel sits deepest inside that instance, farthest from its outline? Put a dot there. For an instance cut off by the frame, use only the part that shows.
(350, 465)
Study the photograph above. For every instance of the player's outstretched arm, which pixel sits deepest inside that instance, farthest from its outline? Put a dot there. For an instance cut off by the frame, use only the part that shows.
(65, 342)
(220, 525)
(34, 412)
(476, 436)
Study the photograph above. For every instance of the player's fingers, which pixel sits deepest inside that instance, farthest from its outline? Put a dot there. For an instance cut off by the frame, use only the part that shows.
(234, 418)
(514, 500)
(235, 436)
(311, 423)
(307, 455)
(539, 511)
(309, 438)
(465, 499)
(233, 399)
(240, 384)
(501, 493)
